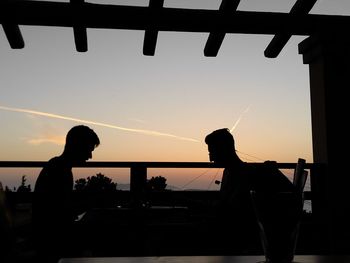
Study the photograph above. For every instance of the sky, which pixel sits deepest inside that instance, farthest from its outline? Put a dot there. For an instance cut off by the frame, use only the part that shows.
(155, 108)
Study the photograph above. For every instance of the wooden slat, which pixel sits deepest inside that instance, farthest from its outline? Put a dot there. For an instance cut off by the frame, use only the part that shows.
(215, 39)
(301, 7)
(12, 32)
(80, 38)
(151, 35)
(59, 14)
(13, 35)
(79, 30)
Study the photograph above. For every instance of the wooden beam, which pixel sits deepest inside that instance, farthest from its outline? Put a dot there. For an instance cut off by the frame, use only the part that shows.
(12, 32)
(215, 39)
(301, 7)
(13, 35)
(151, 35)
(79, 31)
(61, 14)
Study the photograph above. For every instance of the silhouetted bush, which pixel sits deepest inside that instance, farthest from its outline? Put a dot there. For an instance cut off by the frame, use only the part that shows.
(96, 191)
(24, 188)
(157, 183)
(95, 184)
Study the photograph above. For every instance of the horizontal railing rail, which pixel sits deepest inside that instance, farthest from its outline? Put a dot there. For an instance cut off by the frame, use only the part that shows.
(106, 164)
(138, 171)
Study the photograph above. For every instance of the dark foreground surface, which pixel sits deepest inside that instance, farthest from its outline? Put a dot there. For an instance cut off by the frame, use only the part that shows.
(163, 226)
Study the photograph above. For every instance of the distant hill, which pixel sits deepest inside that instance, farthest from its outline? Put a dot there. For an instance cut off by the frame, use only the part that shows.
(126, 187)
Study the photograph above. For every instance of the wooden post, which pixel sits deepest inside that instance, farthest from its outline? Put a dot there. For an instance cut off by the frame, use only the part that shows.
(138, 180)
(328, 56)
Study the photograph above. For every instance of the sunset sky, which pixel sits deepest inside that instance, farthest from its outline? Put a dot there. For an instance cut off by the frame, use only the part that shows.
(156, 108)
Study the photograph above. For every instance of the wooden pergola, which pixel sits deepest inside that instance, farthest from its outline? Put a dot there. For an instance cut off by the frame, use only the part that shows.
(80, 15)
(326, 50)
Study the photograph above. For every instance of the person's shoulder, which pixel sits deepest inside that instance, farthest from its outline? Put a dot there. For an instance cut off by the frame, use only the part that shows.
(270, 163)
(52, 165)
(54, 161)
(270, 166)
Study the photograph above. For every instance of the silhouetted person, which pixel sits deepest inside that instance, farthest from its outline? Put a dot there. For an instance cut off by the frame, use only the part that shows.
(53, 214)
(235, 207)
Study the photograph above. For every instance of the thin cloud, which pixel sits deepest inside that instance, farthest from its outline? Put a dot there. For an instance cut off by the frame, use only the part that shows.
(59, 140)
(239, 119)
(138, 120)
(56, 116)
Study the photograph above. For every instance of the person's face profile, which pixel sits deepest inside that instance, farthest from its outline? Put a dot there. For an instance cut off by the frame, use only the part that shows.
(213, 153)
(211, 157)
(219, 153)
(83, 153)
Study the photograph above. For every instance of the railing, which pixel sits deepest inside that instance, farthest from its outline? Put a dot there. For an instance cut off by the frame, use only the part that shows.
(179, 224)
(138, 174)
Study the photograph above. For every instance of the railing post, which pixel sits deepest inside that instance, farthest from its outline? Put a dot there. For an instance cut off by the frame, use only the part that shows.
(138, 180)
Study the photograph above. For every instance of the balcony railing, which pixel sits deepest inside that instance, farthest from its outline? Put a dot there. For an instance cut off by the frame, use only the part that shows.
(169, 228)
(139, 170)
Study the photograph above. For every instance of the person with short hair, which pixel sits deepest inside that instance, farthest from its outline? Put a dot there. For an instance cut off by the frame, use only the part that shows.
(239, 178)
(53, 214)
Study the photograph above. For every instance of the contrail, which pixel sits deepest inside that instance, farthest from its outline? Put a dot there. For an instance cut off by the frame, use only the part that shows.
(56, 116)
(239, 119)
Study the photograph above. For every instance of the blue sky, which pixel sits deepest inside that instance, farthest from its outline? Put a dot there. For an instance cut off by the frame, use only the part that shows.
(178, 93)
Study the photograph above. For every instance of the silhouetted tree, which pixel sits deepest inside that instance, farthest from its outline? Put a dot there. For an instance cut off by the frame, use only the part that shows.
(157, 183)
(24, 188)
(95, 184)
(80, 185)
(97, 191)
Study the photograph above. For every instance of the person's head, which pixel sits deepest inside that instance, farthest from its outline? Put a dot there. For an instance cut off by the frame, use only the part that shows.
(221, 146)
(80, 143)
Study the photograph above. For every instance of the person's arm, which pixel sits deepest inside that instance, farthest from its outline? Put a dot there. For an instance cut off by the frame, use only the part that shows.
(234, 186)
(278, 181)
